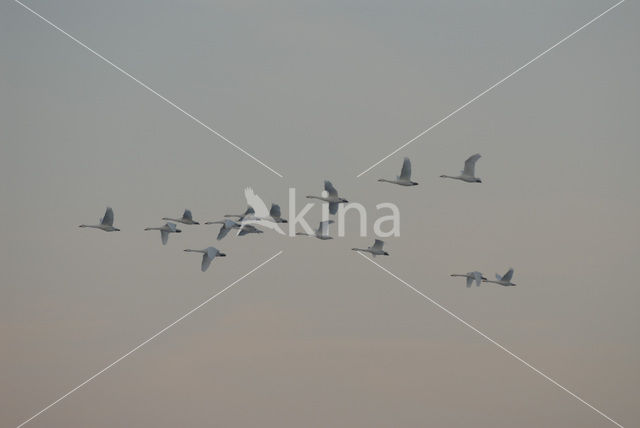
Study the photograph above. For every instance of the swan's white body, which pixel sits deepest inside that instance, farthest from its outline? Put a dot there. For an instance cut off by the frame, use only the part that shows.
(106, 222)
(504, 280)
(208, 254)
(187, 218)
(375, 250)
(322, 232)
(468, 173)
(165, 231)
(404, 179)
(471, 277)
(332, 197)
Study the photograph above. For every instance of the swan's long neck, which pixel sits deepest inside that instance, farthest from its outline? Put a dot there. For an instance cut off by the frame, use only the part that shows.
(387, 181)
(171, 219)
(450, 176)
(94, 226)
(318, 197)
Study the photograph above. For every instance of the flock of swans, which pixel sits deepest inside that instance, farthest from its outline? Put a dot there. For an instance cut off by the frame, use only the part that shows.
(274, 215)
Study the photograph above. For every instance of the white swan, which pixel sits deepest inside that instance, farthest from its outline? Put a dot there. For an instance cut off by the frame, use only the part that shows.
(187, 218)
(404, 179)
(322, 232)
(165, 231)
(332, 197)
(468, 173)
(106, 222)
(504, 280)
(472, 276)
(208, 254)
(227, 225)
(375, 250)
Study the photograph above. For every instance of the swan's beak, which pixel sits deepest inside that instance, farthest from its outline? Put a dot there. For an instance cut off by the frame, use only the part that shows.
(195, 222)
(284, 221)
(222, 255)
(117, 230)
(479, 181)
(386, 254)
(178, 231)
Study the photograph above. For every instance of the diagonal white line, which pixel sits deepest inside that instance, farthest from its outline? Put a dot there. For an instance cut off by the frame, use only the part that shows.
(147, 87)
(492, 341)
(149, 339)
(498, 83)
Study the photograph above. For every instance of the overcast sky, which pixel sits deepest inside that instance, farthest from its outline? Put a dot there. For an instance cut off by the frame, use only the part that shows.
(319, 90)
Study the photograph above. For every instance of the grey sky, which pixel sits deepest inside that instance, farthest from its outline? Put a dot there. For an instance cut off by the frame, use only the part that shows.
(319, 90)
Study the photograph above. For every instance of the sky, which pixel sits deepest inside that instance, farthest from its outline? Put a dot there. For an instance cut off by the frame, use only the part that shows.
(319, 336)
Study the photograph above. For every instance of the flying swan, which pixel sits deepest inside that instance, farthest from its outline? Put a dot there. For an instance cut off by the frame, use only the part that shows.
(208, 254)
(375, 250)
(165, 231)
(106, 222)
(472, 276)
(468, 173)
(332, 197)
(404, 179)
(187, 218)
(504, 280)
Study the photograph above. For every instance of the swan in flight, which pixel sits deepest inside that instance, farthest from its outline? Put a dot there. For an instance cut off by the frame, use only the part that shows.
(472, 276)
(227, 225)
(322, 232)
(208, 254)
(332, 197)
(404, 179)
(375, 250)
(187, 218)
(504, 280)
(106, 222)
(165, 231)
(468, 173)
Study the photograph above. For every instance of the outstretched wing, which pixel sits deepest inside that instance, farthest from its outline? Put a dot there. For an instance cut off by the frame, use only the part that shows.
(405, 174)
(333, 207)
(469, 281)
(330, 189)
(206, 261)
(274, 212)
(187, 215)
(164, 235)
(507, 276)
(470, 165)
(477, 276)
(223, 232)
(256, 203)
(172, 227)
(377, 245)
(107, 220)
